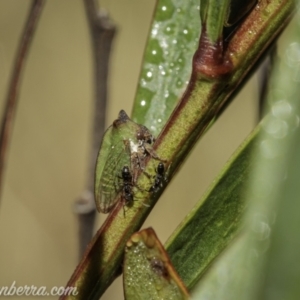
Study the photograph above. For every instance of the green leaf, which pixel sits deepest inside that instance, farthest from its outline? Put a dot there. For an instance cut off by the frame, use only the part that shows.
(173, 39)
(264, 262)
(147, 270)
(212, 224)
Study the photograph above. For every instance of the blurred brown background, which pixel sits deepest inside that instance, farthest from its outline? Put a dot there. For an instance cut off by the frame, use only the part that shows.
(48, 154)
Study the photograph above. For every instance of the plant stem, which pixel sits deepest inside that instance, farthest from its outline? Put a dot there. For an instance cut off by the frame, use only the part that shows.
(209, 60)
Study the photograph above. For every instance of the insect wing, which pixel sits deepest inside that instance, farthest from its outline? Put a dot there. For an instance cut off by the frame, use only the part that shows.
(111, 181)
(120, 141)
(104, 151)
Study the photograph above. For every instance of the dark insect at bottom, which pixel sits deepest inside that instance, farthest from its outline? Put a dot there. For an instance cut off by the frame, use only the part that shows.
(159, 178)
(158, 266)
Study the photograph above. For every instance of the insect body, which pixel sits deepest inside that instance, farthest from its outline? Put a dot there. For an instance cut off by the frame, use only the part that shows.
(159, 178)
(125, 143)
(127, 194)
(158, 266)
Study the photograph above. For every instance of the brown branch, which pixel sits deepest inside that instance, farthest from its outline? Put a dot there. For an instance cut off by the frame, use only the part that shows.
(102, 33)
(15, 81)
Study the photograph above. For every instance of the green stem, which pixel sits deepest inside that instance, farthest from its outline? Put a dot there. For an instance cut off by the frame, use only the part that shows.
(209, 59)
(213, 16)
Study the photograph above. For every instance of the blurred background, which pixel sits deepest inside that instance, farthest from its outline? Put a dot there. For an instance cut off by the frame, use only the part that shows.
(49, 150)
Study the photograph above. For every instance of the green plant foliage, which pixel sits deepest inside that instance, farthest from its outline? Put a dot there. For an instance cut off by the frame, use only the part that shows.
(211, 225)
(264, 262)
(167, 64)
(147, 271)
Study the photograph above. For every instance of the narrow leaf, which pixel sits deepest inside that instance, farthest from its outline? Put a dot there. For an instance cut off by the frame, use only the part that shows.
(215, 220)
(147, 270)
(264, 262)
(167, 64)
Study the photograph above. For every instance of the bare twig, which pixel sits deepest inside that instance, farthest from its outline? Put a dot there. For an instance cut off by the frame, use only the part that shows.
(102, 32)
(15, 81)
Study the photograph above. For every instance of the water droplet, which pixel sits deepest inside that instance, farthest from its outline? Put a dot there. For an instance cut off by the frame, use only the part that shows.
(149, 74)
(268, 149)
(275, 95)
(292, 55)
(179, 63)
(154, 32)
(165, 11)
(154, 52)
(262, 228)
(292, 58)
(179, 83)
(143, 102)
(281, 109)
(164, 44)
(276, 127)
(169, 30)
